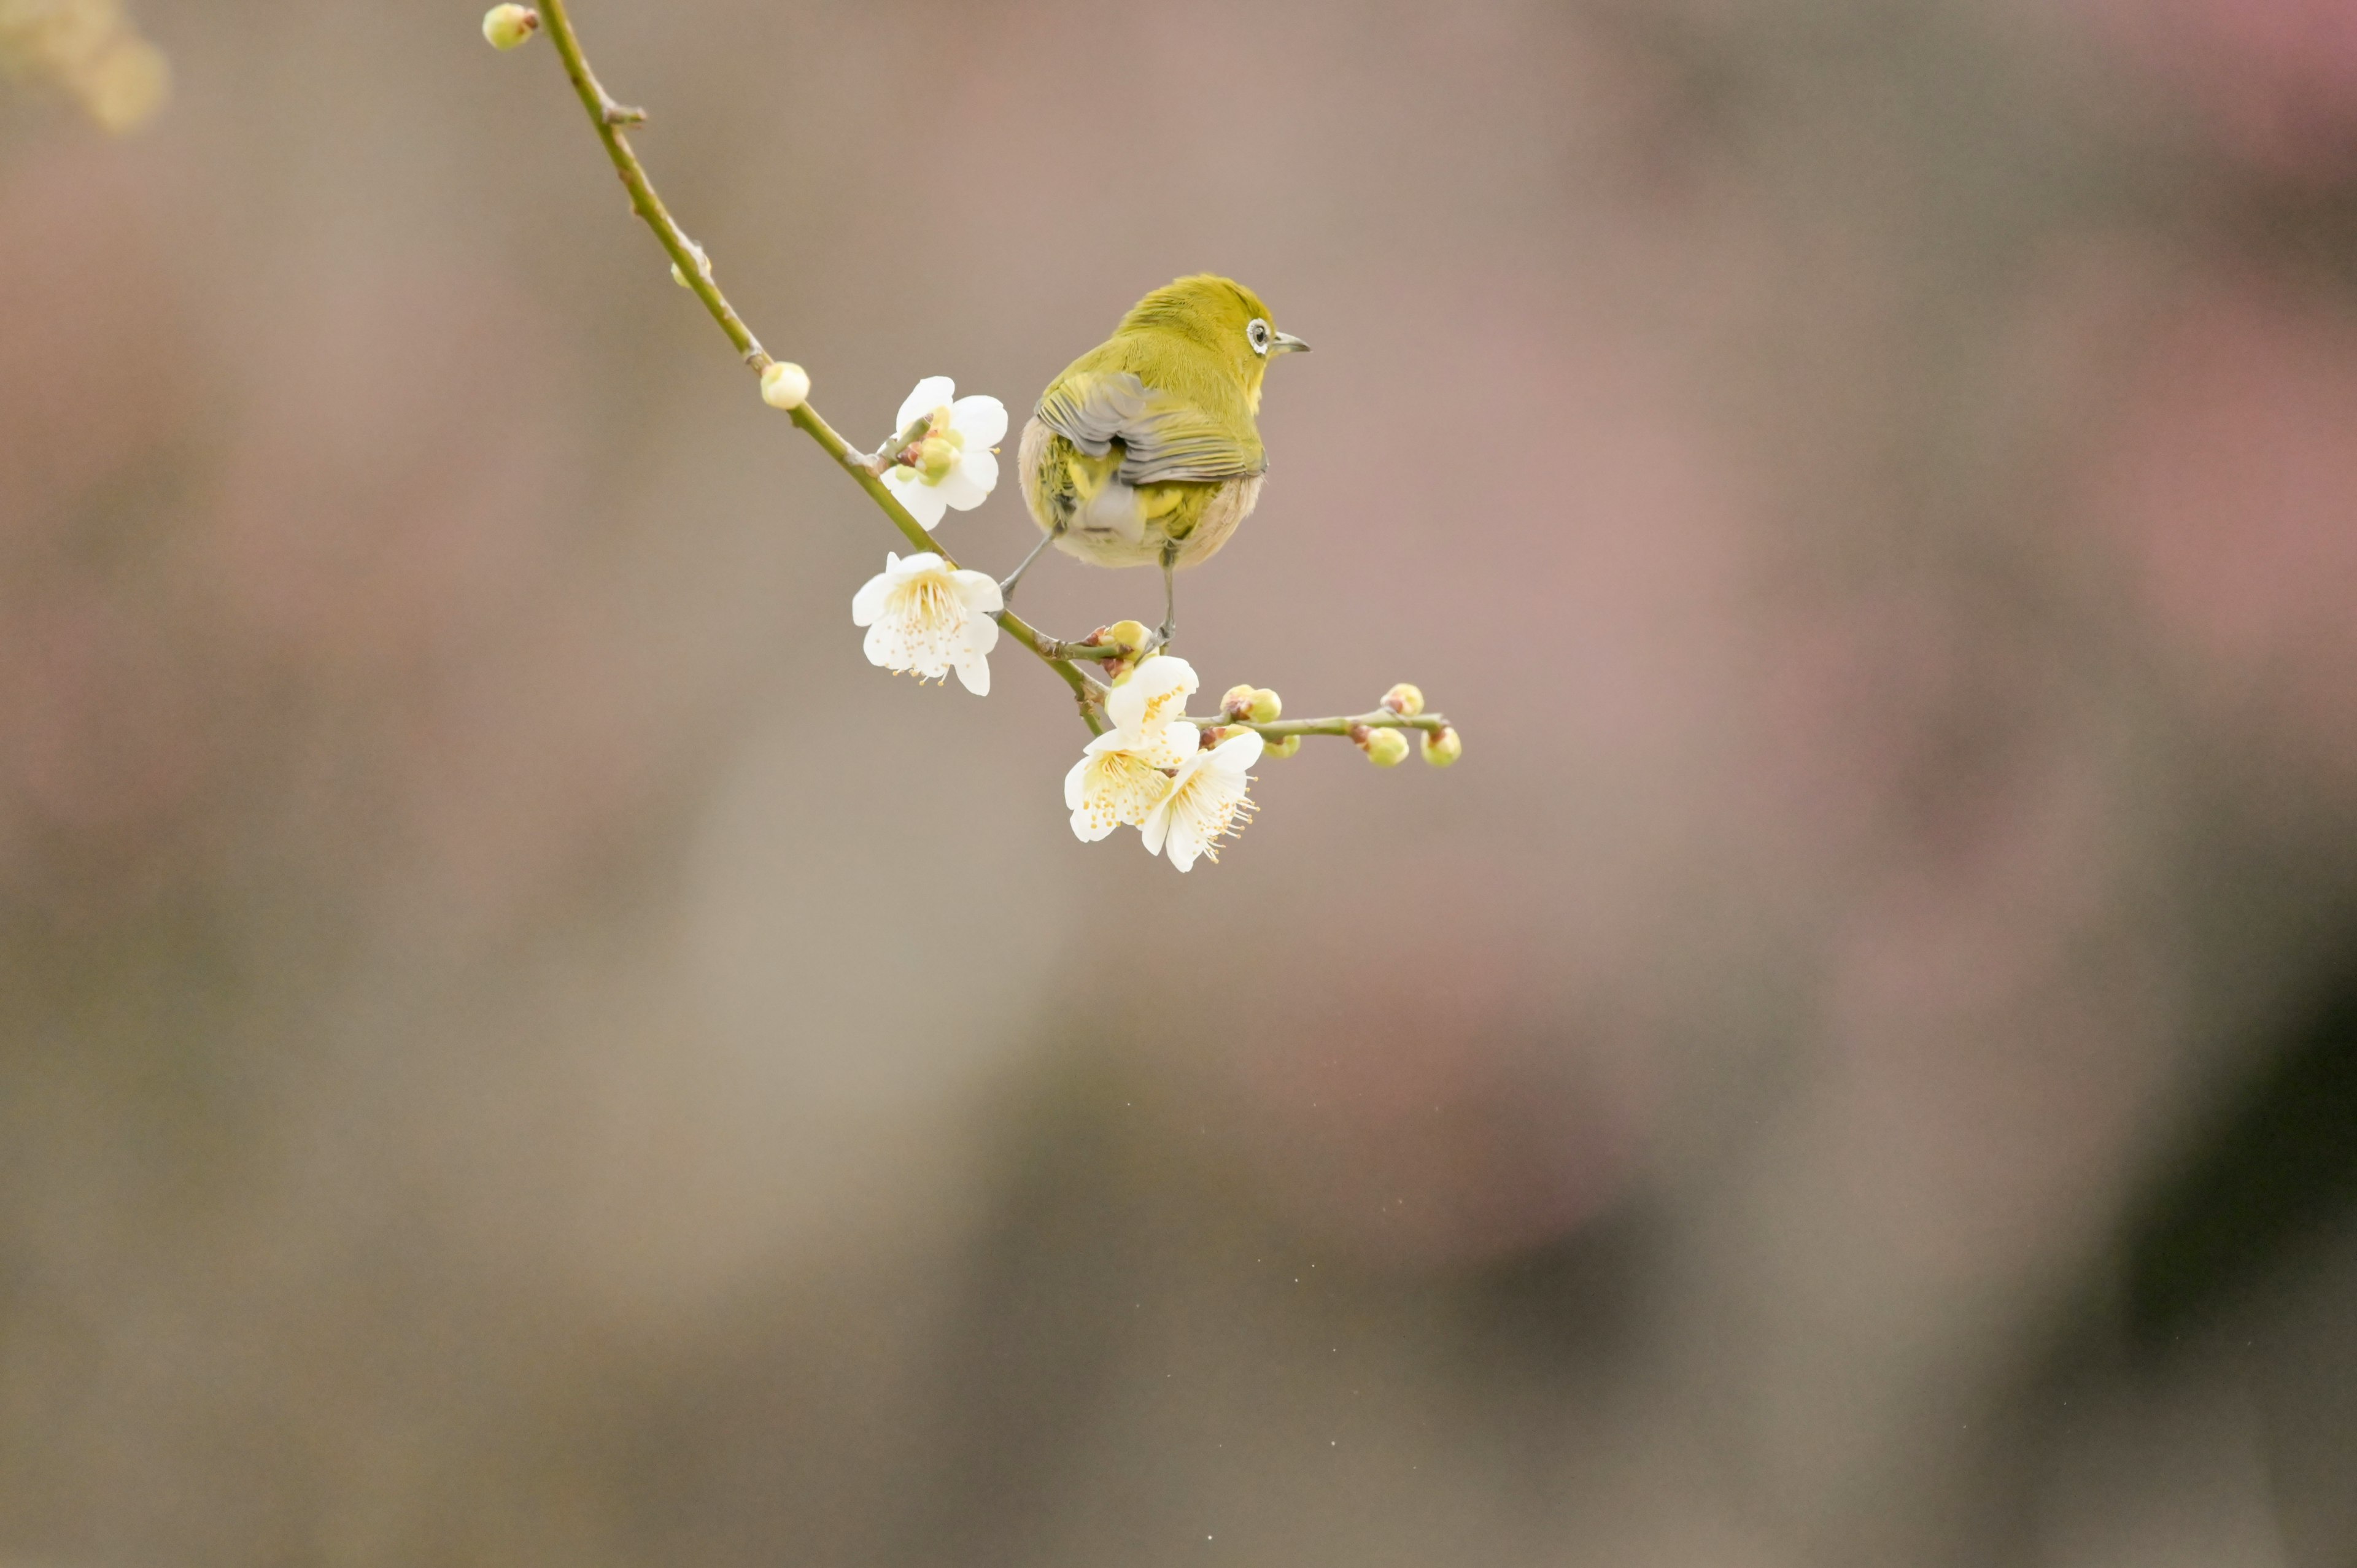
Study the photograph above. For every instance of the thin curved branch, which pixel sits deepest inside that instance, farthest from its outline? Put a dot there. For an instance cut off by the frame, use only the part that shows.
(610, 118)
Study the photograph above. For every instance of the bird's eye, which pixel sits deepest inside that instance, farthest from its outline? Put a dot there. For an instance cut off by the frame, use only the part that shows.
(1258, 333)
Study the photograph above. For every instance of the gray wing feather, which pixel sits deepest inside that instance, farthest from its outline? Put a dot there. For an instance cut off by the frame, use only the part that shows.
(1161, 436)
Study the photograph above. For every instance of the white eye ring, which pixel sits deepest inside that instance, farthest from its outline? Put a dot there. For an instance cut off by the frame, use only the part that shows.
(1256, 334)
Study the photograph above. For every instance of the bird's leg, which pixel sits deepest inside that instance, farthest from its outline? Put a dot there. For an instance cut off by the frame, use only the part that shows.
(1169, 598)
(1006, 588)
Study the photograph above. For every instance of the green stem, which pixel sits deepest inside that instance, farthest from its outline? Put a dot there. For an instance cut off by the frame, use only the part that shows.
(607, 118)
(1382, 718)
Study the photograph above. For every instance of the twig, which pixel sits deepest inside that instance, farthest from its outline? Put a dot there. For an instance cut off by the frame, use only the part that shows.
(1278, 729)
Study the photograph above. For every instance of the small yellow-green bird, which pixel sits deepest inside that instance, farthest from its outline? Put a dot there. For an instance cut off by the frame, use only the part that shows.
(1145, 451)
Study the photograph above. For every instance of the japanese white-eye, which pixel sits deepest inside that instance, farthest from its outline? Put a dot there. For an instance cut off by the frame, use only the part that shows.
(1145, 450)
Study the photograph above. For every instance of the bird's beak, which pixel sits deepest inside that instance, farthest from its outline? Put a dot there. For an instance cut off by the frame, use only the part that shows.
(1287, 343)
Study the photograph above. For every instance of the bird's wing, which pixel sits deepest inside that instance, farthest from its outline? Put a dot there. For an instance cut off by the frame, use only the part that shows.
(1162, 437)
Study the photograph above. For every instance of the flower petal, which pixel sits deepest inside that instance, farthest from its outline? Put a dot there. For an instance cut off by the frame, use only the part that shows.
(869, 602)
(931, 393)
(974, 673)
(1157, 826)
(1184, 844)
(1154, 694)
(981, 466)
(981, 419)
(1181, 741)
(958, 490)
(978, 589)
(981, 634)
(924, 500)
(1236, 753)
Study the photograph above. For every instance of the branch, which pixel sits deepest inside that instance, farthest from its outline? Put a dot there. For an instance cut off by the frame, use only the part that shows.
(608, 117)
(1278, 729)
(693, 269)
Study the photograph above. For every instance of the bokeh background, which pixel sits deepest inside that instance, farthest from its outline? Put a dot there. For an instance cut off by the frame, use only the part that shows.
(518, 1046)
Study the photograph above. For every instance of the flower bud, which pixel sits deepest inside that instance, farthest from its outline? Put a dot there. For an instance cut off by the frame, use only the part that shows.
(1405, 700)
(785, 385)
(1213, 734)
(1385, 747)
(507, 25)
(1285, 748)
(935, 458)
(1238, 703)
(1441, 749)
(1128, 634)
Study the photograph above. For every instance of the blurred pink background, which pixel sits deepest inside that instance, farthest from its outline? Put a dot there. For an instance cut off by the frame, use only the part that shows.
(521, 1047)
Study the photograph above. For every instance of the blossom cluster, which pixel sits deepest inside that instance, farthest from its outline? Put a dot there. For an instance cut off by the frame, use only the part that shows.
(1184, 787)
(1151, 770)
(1154, 771)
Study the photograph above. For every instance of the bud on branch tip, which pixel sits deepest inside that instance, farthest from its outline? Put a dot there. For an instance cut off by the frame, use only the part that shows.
(505, 26)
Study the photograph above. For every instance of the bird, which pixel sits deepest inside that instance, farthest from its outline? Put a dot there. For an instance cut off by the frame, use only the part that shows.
(1145, 450)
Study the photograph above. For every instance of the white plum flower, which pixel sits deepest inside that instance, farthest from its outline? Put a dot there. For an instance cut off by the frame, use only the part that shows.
(1153, 696)
(1205, 803)
(956, 462)
(922, 615)
(1115, 783)
(1126, 770)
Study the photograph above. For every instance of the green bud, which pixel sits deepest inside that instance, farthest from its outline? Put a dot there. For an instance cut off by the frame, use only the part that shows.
(1285, 748)
(505, 26)
(1129, 634)
(1385, 747)
(1405, 700)
(785, 385)
(935, 458)
(1441, 749)
(1258, 703)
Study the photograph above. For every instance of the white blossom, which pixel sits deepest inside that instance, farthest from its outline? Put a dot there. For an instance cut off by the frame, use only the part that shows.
(1115, 784)
(1205, 803)
(1153, 696)
(922, 615)
(956, 457)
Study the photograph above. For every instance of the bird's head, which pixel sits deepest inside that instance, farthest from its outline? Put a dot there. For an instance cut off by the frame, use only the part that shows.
(1223, 316)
